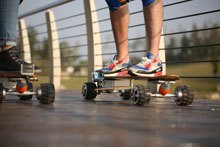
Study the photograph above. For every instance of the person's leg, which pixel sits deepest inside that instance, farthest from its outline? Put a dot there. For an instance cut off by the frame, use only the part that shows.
(153, 15)
(119, 15)
(9, 55)
(120, 22)
(151, 65)
(8, 23)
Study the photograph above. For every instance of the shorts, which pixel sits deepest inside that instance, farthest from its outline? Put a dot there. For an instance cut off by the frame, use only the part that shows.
(115, 4)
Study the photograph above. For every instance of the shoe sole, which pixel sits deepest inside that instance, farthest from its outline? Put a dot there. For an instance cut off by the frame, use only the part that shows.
(159, 73)
(116, 71)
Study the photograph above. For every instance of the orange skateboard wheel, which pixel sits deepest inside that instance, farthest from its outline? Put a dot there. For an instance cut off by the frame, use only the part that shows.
(164, 88)
(21, 87)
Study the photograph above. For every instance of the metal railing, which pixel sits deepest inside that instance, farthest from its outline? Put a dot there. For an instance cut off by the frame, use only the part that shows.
(94, 37)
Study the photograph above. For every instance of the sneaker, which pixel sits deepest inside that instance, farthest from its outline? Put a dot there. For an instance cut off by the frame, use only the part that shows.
(114, 67)
(149, 67)
(10, 61)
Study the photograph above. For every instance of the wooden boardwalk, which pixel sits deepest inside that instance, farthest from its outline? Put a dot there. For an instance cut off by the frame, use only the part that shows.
(108, 122)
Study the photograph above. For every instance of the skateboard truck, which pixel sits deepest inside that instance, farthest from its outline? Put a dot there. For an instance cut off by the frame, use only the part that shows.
(138, 94)
(97, 76)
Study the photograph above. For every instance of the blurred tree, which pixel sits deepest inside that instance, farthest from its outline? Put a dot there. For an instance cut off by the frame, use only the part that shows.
(205, 41)
(214, 38)
(195, 41)
(33, 40)
(170, 56)
(135, 45)
(185, 52)
(44, 52)
(140, 43)
(32, 36)
(40, 52)
(68, 54)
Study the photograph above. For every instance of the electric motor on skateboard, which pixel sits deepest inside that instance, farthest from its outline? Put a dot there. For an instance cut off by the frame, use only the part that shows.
(20, 84)
(138, 94)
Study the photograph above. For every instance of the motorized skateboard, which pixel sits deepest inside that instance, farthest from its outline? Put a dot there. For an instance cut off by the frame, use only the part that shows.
(138, 94)
(20, 84)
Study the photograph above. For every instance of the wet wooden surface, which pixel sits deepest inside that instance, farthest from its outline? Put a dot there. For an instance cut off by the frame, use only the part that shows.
(107, 121)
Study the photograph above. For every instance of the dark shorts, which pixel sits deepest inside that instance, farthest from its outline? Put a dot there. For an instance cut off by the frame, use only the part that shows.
(115, 4)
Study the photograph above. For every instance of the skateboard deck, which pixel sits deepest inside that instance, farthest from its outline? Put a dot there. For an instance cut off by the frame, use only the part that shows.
(171, 77)
(12, 74)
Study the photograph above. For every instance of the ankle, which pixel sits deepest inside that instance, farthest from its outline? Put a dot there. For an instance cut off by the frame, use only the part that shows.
(123, 59)
(153, 55)
(6, 47)
(126, 60)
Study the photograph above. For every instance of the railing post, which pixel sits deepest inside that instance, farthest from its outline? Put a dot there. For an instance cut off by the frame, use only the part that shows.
(54, 50)
(93, 39)
(162, 55)
(24, 40)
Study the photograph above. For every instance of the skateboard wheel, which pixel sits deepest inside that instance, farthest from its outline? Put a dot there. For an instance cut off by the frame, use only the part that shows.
(126, 95)
(147, 95)
(46, 93)
(164, 88)
(2, 93)
(88, 91)
(21, 87)
(140, 95)
(184, 95)
(27, 97)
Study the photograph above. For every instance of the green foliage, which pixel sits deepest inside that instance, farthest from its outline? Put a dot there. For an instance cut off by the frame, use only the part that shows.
(191, 46)
(170, 52)
(44, 50)
(68, 54)
(40, 51)
(186, 54)
(32, 36)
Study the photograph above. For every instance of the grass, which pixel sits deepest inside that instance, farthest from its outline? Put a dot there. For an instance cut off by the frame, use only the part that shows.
(73, 83)
(202, 87)
(41, 79)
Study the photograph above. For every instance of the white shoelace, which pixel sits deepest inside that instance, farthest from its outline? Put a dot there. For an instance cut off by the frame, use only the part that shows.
(144, 61)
